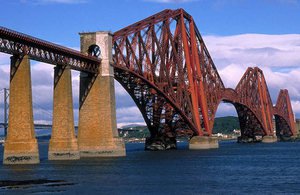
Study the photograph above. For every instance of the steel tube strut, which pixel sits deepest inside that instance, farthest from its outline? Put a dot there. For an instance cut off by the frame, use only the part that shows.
(163, 63)
(180, 81)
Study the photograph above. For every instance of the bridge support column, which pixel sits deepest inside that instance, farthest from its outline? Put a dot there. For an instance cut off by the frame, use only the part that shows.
(203, 142)
(97, 130)
(269, 139)
(63, 143)
(21, 146)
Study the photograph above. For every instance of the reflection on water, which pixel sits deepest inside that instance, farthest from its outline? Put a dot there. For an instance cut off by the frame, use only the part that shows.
(231, 169)
(22, 184)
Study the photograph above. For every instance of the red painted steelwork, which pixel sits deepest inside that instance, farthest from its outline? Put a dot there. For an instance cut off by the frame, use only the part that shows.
(163, 63)
(253, 103)
(163, 50)
(284, 118)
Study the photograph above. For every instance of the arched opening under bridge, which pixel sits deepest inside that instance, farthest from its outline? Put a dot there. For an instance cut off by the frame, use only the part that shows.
(226, 123)
(163, 119)
(250, 128)
(130, 122)
(282, 128)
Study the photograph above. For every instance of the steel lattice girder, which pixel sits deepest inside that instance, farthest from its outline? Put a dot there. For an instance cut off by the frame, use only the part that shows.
(166, 53)
(163, 63)
(253, 92)
(253, 103)
(283, 112)
(16, 43)
(166, 49)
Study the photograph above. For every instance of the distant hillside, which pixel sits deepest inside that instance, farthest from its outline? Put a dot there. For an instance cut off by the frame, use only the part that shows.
(223, 125)
(134, 131)
(226, 124)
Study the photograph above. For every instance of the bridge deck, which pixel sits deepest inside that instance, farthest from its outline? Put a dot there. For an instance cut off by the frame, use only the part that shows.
(16, 43)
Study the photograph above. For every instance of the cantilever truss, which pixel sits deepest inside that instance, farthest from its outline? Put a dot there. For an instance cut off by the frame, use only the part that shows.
(284, 119)
(254, 106)
(163, 63)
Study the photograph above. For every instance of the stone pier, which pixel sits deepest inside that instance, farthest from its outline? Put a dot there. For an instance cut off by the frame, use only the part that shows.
(97, 129)
(21, 146)
(203, 142)
(269, 139)
(63, 143)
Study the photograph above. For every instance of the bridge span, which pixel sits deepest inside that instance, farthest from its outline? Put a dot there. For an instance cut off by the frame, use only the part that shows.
(162, 62)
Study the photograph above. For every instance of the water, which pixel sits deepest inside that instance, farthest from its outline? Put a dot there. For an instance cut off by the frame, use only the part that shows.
(231, 169)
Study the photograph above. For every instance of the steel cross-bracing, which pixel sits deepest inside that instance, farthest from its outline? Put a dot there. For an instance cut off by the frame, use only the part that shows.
(19, 44)
(253, 104)
(284, 115)
(164, 65)
(161, 59)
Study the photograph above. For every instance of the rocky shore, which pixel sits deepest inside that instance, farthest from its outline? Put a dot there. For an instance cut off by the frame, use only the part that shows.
(160, 143)
(245, 139)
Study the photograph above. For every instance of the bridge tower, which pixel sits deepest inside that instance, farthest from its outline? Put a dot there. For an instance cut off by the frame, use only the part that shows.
(97, 127)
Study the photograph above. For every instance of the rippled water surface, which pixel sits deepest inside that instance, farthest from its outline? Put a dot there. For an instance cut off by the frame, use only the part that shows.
(231, 169)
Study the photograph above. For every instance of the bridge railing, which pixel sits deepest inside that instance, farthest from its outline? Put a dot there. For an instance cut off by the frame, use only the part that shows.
(16, 43)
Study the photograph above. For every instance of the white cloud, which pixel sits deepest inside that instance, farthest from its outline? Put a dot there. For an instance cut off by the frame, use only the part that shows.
(4, 70)
(296, 106)
(260, 49)
(277, 55)
(119, 90)
(232, 74)
(225, 109)
(283, 80)
(129, 115)
(4, 59)
(120, 125)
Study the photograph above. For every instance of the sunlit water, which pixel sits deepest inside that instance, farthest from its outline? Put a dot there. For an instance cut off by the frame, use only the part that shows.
(231, 169)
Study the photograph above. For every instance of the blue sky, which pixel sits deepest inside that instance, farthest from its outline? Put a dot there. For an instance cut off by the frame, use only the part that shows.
(238, 34)
(61, 20)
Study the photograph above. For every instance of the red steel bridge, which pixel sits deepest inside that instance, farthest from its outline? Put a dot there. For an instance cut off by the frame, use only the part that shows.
(164, 65)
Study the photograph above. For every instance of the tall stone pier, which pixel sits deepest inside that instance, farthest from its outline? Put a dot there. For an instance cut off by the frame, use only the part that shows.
(97, 129)
(21, 146)
(63, 143)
